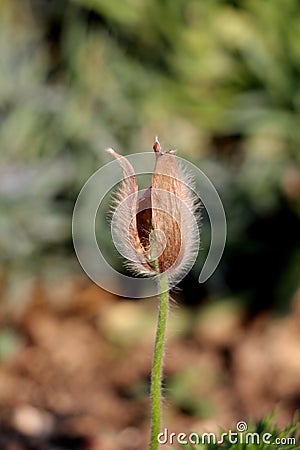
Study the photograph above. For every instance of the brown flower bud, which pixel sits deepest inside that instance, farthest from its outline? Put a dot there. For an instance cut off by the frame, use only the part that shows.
(160, 236)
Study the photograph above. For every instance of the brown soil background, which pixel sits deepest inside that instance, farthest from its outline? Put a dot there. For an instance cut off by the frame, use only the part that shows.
(78, 374)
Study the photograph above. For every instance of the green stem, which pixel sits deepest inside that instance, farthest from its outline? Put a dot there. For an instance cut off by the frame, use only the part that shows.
(157, 366)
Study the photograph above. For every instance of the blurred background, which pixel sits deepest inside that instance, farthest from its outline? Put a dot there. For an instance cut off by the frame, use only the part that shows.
(220, 82)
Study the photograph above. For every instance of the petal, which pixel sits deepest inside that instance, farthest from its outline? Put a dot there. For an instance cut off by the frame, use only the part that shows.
(126, 202)
(144, 219)
(171, 207)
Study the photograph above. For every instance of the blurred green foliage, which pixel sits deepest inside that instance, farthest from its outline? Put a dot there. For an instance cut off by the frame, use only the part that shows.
(218, 80)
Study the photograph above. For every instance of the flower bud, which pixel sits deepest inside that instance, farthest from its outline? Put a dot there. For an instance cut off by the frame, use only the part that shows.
(160, 236)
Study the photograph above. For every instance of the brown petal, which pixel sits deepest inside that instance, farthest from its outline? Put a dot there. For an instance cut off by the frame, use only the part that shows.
(144, 219)
(169, 196)
(127, 196)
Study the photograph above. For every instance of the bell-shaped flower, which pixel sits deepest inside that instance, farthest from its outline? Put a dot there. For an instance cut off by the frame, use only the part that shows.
(157, 230)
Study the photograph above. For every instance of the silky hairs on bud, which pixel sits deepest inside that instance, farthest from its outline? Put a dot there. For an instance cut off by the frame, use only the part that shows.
(157, 232)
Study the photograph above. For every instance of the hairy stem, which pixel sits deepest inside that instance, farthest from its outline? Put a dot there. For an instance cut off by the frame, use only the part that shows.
(157, 366)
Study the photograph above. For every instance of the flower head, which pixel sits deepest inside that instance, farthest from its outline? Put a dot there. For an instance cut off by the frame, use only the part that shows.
(156, 229)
